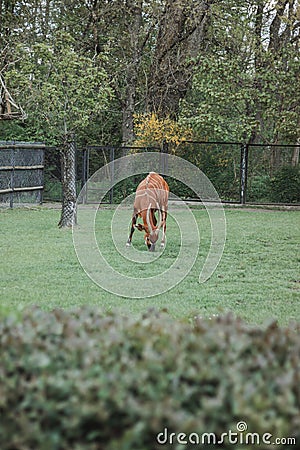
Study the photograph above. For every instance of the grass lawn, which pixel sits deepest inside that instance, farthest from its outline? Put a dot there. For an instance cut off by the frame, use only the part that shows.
(258, 276)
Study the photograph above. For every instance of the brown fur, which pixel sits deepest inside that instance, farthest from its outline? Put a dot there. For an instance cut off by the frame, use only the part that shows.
(151, 195)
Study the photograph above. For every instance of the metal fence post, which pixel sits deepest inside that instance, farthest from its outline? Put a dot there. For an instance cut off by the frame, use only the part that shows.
(112, 174)
(41, 191)
(12, 176)
(164, 157)
(84, 167)
(84, 175)
(244, 173)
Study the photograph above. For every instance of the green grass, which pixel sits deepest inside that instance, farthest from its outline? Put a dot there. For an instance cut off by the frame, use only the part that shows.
(257, 278)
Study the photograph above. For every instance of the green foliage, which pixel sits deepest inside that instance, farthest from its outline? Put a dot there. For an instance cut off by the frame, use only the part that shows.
(60, 88)
(259, 189)
(61, 60)
(245, 88)
(285, 185)
(219, 162)
(13, 131)
(126, 187)
(85, 379)
(277, 91)
(220, 97)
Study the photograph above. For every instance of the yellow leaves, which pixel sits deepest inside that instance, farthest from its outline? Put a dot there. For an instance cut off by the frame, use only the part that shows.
(222, 161)
(152, 131)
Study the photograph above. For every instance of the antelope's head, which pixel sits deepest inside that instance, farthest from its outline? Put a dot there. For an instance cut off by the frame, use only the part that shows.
(151, 230)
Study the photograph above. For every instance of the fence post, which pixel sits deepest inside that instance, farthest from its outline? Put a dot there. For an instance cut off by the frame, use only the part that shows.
(12, 177)
(41, 191)
(68, 180)
(112, 174)
(244, 173)
(164, 157)
(84, 176)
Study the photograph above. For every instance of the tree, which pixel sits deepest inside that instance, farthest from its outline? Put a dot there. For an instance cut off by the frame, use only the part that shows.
(152, 52)
(247, 86)
(277, 70)
(130, 28)
(182, 31)
(63, 90)
(227, 69)
(9, 22)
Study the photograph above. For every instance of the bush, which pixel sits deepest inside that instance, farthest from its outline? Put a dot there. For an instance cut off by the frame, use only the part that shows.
(258, 188)
(285, 185)
(89, 380)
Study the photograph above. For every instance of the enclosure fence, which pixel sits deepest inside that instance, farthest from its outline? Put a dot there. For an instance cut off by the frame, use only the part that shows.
(21, 172)
(248, 173)
(241, 173)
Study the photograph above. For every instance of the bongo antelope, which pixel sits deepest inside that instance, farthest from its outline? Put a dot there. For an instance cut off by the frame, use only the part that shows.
(151, 196)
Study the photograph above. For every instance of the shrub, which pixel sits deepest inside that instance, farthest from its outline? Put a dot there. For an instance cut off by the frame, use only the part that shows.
(285, 185)
(259, 188)
(92, 380)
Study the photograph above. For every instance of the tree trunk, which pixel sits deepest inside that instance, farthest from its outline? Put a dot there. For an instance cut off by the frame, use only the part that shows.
(275, 42)
(295, 157)
(135, 8)
(68, 179)
(180, 37)
(129, 108)
(275, 160)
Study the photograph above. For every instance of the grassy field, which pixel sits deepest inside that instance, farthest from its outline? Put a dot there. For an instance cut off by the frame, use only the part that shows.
(258, 277)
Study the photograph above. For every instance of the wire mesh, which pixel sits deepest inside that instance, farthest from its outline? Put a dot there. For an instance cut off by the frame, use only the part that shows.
(5, 157)
(100, 156)
(28, 157)
(269, 174)
(273, 174)
(220, 162)
(21, 172)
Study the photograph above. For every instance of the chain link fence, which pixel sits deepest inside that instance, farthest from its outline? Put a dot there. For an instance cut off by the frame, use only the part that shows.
(273, 174)
(21, 172)
(241, 173)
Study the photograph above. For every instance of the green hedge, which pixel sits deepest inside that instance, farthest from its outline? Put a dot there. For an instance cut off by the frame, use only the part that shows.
(86, 379)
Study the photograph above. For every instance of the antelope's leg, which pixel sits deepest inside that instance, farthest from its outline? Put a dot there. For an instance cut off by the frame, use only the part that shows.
(164, 221)
(133, 223)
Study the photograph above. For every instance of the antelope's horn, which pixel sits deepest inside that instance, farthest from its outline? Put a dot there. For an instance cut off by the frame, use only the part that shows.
(160, 216)
(148, 219)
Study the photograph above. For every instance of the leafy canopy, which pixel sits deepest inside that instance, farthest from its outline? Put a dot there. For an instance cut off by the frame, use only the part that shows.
(62, 88)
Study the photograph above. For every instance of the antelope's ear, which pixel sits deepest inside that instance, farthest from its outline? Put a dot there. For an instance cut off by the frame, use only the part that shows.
(140, 227)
